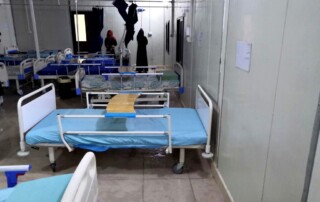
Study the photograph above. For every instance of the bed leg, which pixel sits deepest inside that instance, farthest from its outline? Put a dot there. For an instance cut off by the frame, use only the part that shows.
(178, 167)
(32, 83)
(23, 151)
(19, 91)
(51, 159)
(207, 154)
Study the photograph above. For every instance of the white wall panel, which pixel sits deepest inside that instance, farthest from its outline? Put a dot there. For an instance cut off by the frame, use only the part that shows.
(296, 103)
(7, 36)
(53, 24)
(314, 194)
(201, 57)
(248, 99)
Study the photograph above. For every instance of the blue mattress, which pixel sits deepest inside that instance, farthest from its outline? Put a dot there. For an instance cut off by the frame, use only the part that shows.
(187, 129)
(13, 60)
(58, 70)
(43, 54)
(44, 189)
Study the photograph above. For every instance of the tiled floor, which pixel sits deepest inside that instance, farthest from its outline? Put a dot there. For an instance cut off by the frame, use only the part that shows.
(124, 175)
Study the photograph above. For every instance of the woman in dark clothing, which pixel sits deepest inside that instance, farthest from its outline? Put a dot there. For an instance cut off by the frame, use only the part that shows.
(110, 42)
(142, 58)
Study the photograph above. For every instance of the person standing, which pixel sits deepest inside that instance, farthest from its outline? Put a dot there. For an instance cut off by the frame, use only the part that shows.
(110, 42)
(142, 58)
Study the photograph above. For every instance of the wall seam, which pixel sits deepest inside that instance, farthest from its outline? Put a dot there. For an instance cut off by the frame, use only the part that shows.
(274, 102)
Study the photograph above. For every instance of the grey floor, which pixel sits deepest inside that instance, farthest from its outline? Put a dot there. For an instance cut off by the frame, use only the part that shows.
(123, 175)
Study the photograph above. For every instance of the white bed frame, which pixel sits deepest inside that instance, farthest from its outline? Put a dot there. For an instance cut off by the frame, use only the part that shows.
(83, 185)
(153, 70)
(27, 63)
(31, 113)
(41, 63)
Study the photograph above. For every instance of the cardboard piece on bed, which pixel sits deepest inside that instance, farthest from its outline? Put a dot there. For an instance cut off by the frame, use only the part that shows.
(122, 103)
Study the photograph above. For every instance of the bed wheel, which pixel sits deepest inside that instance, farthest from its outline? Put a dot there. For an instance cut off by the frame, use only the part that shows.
(53, 167)
(177, 168)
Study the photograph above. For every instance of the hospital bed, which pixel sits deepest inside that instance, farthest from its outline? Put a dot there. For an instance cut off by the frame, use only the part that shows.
(42, 125)
(156, 79)
(66, 64)
(19, 68)
(82, 185)
(53, 67)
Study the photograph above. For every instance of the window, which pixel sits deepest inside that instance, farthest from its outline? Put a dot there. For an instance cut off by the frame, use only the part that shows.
(81, 24)
(180, 36)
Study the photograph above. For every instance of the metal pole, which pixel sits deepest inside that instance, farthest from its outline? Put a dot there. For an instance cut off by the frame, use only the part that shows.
(78, 42)
(34, 27)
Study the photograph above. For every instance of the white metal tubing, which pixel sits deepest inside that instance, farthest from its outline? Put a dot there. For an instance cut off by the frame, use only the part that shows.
(15, 168)
(34, 27)
(131, 74)
(20, 117)
(137, 105)
(115, 93)
(102, 116)
(77, 64)
(207, 150)
(169, 133)
(151, 133)
(61, 133)
(182, 156)
(51, 154)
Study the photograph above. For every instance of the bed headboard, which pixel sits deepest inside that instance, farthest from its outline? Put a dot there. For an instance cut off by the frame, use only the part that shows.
(83, 185)
(204, 107)
(27, 63)
(39, 64)
(31, 111)
(50, 58)
(11, 50)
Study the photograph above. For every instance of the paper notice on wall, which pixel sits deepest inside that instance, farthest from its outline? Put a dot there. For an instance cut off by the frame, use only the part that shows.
(243, 55)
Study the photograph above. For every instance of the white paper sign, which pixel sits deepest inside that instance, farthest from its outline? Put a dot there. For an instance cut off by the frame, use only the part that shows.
(243, 57)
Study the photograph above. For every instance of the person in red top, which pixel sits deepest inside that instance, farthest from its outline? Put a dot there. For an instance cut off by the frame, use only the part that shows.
(110, 42)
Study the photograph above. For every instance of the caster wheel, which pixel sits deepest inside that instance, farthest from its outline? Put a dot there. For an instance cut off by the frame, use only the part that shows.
(53, 167)
(177, 168)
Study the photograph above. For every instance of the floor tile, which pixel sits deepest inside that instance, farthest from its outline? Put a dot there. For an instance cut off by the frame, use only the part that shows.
(206, 190)
(160, 166)
(168, 190)
(120, 190)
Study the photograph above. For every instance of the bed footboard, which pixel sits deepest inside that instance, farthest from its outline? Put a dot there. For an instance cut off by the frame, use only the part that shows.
(30, 113)
(83, 185)
(204, 107)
